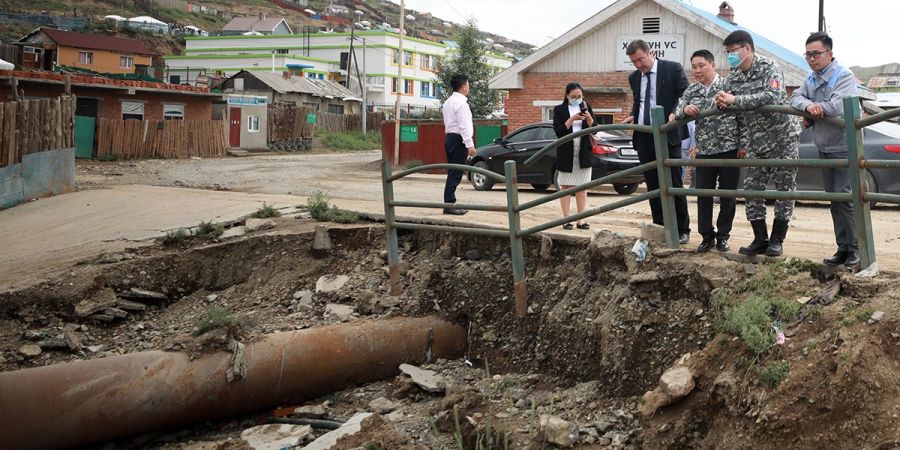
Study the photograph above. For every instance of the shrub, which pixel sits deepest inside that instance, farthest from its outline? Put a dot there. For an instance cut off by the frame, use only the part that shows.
(175, 237)
(209, 231)
(265, 212)
(321, 210)
(751, 320)
(413, 163)
(773, 374)
(350, 140)
(218, 318)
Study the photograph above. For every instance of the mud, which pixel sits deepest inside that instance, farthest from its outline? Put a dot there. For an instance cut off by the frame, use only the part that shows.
(600, 331)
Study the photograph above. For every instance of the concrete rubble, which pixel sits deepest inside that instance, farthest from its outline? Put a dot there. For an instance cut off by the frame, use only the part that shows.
(428, 380)
(328, 440)
(275, 436)
(327, 284)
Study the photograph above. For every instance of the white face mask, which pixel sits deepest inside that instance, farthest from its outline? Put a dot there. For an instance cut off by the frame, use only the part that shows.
(575, 101)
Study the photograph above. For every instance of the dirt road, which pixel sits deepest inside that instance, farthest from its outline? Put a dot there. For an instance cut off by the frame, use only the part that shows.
(121, 204)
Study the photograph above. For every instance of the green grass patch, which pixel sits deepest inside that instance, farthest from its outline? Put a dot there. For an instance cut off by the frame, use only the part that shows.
(175, 237)
(413, 163)
(266, 212)
(321, 210)
(218, 318)
(350, 140)
(209, 231)
(752, 319)
(773, 374)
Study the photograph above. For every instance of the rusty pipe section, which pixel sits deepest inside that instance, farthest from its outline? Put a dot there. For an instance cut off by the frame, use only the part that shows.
(72, 404)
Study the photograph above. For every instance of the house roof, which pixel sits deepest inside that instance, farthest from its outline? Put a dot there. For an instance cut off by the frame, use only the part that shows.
(303, 85)
(94, 41)
(793, 63)
(254, 24)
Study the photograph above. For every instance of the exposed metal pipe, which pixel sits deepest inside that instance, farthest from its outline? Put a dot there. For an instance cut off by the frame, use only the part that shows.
(78, 403)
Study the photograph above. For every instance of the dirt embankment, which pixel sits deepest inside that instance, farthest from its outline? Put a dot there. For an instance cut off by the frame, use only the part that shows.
(601, 329)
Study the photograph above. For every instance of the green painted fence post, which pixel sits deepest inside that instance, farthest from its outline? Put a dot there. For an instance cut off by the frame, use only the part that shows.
(658, 119)
(858, 183)
(515, 240)
(390, 231)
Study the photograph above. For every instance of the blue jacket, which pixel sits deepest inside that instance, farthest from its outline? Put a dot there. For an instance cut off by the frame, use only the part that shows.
(827, 88)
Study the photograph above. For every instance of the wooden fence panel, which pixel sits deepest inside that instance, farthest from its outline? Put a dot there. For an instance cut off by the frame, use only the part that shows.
(136, 139)
(32, 126)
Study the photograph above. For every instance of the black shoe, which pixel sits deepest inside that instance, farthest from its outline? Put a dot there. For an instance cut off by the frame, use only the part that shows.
(583, 226)
(455, 211)
(779, 230)
(706, 245)
(760, 239)
(684, 238)
(722, 244)
(839, 258)
(567, 226)
(852, 259)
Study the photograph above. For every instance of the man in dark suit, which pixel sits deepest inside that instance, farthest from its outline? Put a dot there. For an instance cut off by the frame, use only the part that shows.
(658, 82)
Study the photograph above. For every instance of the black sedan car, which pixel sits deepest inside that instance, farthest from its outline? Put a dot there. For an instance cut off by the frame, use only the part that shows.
(614, 154)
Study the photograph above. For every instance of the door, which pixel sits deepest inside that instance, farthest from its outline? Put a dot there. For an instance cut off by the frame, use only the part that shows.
(485, 134)
(85, 126)
(234, 134)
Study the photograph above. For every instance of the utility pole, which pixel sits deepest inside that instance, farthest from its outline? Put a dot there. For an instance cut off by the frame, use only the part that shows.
(350, 59)
(364, 84)
(821, 15)
(400, 85)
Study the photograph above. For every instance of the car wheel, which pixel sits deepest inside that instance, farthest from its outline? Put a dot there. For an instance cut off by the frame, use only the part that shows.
(540, 187)
(873, 187)
(626, 189)
(479, 181)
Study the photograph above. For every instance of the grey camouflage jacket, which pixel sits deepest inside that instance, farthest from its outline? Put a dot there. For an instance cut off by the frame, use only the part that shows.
(762, 84)
(716, 134)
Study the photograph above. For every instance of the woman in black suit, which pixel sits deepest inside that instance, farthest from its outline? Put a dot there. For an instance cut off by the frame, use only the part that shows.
(572, 169)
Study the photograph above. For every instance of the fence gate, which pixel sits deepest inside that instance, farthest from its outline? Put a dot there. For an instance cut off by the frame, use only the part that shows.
(84, 136)
(485, 134)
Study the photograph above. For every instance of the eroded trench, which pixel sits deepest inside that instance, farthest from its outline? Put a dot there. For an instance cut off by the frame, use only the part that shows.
(597, 321)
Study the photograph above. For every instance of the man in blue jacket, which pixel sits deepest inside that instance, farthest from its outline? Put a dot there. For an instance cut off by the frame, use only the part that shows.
(822, 95)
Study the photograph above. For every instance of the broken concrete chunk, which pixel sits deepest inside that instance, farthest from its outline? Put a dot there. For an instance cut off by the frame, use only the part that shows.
(106, 298)
(275, 436)
(328, 440)
(343, 312)
(676, 383)
(425, 379)
(327, 284)
(321, 240)
(310, 412)
(30, 350)
(142, 294)
(259, 224)
(233, 232)
(116, 312)
(558, 431)
(653, 233)
(382, 405)
(876, 317)
(72, 338)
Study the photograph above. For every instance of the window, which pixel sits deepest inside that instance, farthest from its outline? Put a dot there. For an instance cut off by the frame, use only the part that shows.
(395, 56)
(375, 81)
(175, 79)
(425, 89)
(126, 62)
(173, 112)
(651, 25)
(282, 51)
(133, 110)
(407, 58)
(428, 62)
(406, 86)
(526, 135)
(336, 109)
(85, 57)
(603, 119)
(547, 113)
(253, 124)
(547, 134)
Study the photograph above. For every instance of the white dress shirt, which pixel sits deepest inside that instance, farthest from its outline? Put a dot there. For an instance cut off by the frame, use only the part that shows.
(458, 118)
(644, 77)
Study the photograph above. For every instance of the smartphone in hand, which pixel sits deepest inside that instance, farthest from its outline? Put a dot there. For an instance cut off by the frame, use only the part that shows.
(583, 108)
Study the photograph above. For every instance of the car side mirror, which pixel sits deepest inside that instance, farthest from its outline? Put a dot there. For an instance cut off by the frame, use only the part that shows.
(499, 141)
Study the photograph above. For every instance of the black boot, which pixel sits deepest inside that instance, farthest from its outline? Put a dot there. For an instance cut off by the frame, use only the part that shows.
(760, 239)
(779, 230)
(837, 259)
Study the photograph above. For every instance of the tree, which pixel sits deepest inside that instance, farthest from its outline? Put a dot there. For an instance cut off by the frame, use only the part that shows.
(469, 60)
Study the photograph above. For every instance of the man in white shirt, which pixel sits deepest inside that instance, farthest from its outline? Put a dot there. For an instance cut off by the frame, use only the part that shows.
(458, 141)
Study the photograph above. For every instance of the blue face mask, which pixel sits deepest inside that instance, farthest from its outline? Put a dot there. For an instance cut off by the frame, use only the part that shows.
(733, 59)
(575, 101)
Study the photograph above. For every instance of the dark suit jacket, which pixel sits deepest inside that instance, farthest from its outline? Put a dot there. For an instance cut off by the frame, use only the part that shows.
(564, 153)
(670, 84)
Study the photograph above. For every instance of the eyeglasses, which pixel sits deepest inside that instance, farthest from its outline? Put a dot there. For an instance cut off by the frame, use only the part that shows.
(814, 55)
(727, 51)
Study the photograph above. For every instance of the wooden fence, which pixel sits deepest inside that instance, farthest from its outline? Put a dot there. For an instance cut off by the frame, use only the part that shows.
(32, 126)
(291, 122)
(145, 139)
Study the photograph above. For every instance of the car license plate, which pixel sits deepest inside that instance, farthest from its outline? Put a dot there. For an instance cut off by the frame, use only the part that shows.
(628, 152)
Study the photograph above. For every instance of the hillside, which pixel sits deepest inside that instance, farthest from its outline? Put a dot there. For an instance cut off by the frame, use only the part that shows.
(865, 73)
(424, 25)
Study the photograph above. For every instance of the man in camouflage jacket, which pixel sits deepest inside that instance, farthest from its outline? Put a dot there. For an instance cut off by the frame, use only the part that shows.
(756, 81)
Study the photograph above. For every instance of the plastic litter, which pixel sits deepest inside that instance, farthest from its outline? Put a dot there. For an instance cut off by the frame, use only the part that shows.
(779, 335)
(640, 250)
(868, 272)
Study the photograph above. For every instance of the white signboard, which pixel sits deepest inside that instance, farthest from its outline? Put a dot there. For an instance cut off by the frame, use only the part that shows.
(665, 46)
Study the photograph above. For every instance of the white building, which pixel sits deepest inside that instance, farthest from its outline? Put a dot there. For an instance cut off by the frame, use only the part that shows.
(319, 55)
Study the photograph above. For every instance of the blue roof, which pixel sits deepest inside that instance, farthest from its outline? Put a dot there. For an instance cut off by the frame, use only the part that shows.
(758, 40)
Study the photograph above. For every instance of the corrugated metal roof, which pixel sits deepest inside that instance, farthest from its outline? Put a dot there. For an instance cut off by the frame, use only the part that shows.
(303, 85)
(252, 23)
(96, 42)
(758, 40)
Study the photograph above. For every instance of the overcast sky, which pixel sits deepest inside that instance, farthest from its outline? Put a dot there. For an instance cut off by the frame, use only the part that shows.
(866, 32)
